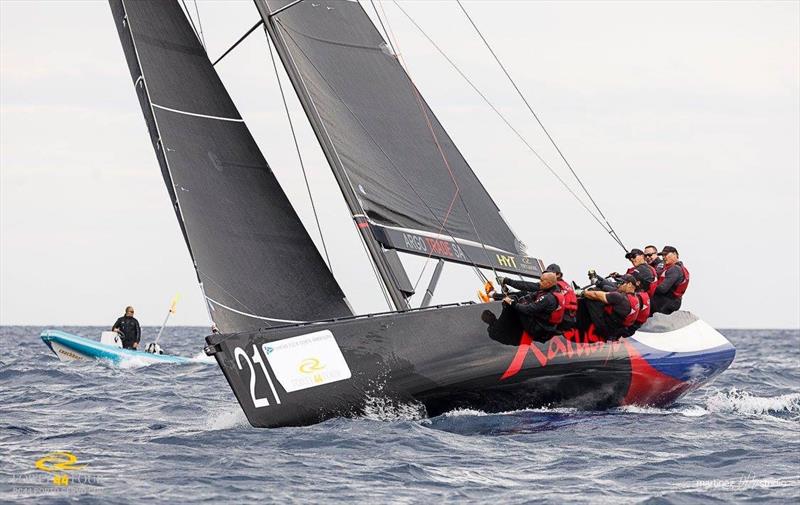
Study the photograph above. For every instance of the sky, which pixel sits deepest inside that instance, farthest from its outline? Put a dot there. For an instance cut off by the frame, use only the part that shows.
(682, 119)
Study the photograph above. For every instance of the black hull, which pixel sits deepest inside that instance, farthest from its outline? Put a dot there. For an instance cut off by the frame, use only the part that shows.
(443, 359)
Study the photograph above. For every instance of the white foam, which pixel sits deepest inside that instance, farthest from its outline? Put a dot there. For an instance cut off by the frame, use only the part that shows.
(201, 357)
(743, 402)
(381, 408)
(226, 420)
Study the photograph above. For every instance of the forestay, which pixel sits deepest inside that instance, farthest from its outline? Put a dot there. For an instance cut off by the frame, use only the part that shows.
(254, 259)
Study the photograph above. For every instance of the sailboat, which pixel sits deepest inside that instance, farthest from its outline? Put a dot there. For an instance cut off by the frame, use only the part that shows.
(290, 346)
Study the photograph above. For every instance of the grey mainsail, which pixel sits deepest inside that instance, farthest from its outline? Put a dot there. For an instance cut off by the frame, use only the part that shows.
(253, 257)
(402, 176)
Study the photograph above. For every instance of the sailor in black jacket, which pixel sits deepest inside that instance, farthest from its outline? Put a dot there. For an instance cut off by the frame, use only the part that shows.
(535, 311)
(128, 328)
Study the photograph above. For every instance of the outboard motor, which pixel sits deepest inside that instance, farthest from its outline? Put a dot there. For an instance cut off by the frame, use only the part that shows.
(154, 348)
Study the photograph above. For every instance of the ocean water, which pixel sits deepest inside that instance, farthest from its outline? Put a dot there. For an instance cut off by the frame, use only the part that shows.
(174, 433)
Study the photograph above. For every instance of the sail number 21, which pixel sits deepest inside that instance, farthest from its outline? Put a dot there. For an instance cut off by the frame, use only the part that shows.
(239, 353)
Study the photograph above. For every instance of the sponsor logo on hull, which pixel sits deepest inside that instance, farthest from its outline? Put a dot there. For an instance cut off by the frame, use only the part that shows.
(307, 361)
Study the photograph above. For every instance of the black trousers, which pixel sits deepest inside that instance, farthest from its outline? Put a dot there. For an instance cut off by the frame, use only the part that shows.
(665, 304)
(506, 329)
(593, 312)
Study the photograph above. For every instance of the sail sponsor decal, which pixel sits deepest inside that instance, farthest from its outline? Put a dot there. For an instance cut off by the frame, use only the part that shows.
(452, 249)
(306, 361)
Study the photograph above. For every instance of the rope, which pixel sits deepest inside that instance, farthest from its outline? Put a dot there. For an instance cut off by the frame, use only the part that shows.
(299, 155)
(552, 141)
(503, 118)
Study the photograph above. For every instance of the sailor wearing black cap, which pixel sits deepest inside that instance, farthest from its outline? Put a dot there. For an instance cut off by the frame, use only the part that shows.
(646, 274)
(611, 313)
(671, 284)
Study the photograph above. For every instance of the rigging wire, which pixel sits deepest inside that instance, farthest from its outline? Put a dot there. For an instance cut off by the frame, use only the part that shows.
(236, 44)
(299, 155)
(536, 117)
(200, 24)
(385, 31)
(502, 117)
(191, 21)
(458, 194)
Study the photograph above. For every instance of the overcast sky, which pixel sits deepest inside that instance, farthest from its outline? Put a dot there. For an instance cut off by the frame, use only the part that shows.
(682, 118)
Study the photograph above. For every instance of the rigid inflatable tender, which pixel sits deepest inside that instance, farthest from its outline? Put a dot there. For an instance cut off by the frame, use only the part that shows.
(70, 347)
(443, 358)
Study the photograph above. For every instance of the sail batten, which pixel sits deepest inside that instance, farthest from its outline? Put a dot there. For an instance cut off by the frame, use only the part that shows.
(380, 135)
(249, 247)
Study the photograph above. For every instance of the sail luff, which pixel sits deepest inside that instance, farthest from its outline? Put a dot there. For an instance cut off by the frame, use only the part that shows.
(374, 248)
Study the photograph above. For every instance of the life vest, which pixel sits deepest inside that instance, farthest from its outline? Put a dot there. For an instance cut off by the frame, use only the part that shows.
(653, 285)
(644, 306)
(570, 298)
(558, 314)
(633, 313)
(679, 289)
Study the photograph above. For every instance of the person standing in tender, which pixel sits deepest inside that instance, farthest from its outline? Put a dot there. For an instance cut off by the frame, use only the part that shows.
(128, 328)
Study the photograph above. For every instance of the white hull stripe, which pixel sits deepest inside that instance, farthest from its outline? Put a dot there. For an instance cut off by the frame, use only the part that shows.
(235, 120)
(252, 315)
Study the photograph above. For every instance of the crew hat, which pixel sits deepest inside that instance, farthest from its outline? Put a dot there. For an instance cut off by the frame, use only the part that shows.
(622, 279)
(668, 249)
(634, 253)
(553, 268)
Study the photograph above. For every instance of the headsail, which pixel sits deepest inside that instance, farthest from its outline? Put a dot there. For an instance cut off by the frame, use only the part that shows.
(412, 186)
(254, 259)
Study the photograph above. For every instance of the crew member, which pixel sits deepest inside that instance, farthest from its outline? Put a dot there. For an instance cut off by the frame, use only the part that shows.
(610, 312)
(570, 299)
(128, 328)
(644, 305)
(545, 311)
(672, 283)
(653, 259)
(646, 273)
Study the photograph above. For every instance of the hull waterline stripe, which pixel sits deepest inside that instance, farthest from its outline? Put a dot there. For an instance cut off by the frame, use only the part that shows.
(235, 120)
(252, 315)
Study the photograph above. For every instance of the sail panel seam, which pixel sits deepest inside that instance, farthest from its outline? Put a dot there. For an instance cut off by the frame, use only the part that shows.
(197, 114)
(251, 315)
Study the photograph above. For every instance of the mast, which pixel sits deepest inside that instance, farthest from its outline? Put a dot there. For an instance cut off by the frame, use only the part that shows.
(388, 275)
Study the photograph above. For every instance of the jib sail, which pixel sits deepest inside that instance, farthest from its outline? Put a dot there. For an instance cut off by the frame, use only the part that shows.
(401, 173)
(249, 247)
